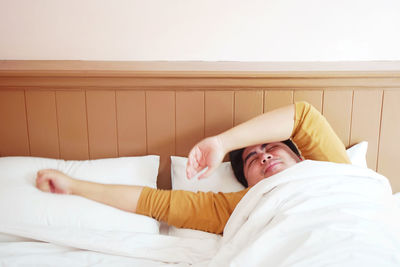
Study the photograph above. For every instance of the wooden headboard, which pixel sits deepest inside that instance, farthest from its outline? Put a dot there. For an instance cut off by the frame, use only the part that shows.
(89, 110)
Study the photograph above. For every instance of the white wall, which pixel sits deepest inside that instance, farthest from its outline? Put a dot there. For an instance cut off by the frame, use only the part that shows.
(209, 30)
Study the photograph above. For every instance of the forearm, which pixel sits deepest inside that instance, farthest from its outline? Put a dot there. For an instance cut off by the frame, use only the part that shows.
(124, 197)
(273, 126)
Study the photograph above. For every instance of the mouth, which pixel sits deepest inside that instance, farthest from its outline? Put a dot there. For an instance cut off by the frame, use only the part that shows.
(271, 166)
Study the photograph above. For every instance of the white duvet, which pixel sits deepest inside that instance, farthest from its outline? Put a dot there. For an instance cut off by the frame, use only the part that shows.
(312, 214)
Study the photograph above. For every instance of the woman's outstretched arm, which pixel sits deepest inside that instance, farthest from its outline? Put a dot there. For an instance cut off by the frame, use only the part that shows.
(124, 197)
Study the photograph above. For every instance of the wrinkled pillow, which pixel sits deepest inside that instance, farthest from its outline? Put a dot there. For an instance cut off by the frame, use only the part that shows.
(222, 180)
(21, 203)
(358, 154)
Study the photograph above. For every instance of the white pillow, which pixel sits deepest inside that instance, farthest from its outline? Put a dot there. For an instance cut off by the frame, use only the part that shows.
(222, 180)
(22, 203)
(358, 154)
(396, 196)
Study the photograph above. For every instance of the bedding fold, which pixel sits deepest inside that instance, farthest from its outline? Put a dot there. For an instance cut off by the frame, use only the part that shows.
(312, 214)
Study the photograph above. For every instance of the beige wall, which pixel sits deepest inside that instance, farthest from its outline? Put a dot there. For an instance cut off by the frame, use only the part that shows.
(264, 30)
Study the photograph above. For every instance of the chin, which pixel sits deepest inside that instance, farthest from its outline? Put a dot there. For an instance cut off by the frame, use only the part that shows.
(276, 169)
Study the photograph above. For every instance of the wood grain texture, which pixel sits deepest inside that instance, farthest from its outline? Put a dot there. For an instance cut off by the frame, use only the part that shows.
(389, 145)
(365, 124)
(176, 98)
(90, 75)
(131, 123)
(189, 120)
(71, 108)
(14, 140)
(337, 110)
(102, 130)
(160, 114)
(314, 97)
(42, 123)
(219, 115)
(248, 105)
(275, 99)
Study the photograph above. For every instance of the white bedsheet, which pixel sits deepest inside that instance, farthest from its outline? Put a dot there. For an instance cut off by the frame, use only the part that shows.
(152, 247)
(312, 214)
(315, 214)
(47, 254)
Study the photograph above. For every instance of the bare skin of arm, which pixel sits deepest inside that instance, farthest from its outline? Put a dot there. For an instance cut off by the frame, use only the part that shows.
(276, 125)
(124, 197)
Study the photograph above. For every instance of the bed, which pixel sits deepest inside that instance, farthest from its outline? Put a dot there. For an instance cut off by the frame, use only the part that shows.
(92, 118)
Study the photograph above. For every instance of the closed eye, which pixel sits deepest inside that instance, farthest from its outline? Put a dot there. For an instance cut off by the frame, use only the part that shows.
(271, 148)
(251, 159)
(249, 156)
(252, 154)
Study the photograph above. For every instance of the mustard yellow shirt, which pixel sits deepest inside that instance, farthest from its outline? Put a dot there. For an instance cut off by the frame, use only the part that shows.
(208, 211)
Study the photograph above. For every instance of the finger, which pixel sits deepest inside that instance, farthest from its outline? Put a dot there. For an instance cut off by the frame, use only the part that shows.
(52, 187)
(39, 174)
(194, 157)
(38, 181)
(189, 166)
(39, 178)
(192, 165)
(43, 172)
(190, 172)
(198, 155)
(44, 186)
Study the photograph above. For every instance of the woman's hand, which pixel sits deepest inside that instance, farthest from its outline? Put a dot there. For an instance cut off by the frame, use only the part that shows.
(207, 153)
(124, 197)
(54, 181)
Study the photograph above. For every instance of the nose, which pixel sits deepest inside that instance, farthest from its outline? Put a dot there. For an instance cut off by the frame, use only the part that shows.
(265, 157)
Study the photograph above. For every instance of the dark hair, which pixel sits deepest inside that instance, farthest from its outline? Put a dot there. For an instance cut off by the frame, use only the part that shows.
(235, 157)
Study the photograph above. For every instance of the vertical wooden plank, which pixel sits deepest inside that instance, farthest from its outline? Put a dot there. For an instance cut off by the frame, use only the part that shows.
(72, 123)
(160, 112)
(248, 104)
(389, 145)
(131, 123)
(189, 120)
(42, 123)
(102, 130)
(337, 110)
(274, 99)
(314, 97)
(218, 111)
(365, 122)
(14, 139)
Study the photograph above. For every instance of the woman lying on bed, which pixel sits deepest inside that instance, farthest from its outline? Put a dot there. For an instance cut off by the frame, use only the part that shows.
(261, 147)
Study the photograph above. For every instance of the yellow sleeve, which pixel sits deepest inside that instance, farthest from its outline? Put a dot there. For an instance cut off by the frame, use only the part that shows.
(200, 211)
(315, 138)
(209, 211)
